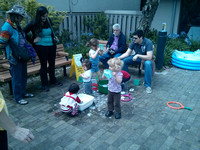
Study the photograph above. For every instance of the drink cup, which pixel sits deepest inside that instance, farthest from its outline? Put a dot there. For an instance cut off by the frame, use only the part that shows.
(136, 82)
(101, 46)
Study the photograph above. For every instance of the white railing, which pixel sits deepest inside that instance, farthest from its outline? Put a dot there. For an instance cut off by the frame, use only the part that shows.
(74, 22)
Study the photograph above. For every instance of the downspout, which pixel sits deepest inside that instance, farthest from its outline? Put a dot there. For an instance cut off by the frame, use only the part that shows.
(70, 9)
(173, 16)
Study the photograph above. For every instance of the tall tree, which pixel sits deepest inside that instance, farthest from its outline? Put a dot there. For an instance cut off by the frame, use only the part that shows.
(148, 13)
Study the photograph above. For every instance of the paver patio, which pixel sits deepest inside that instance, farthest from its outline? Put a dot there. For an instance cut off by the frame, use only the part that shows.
(146, 124)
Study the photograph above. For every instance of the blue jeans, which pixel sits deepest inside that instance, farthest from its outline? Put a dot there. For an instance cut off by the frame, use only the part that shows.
(147, 68)
(123, 82)
(106, 57)
(19, 79)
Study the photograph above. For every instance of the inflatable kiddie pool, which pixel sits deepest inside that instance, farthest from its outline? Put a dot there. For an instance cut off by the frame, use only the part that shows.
(186, 59)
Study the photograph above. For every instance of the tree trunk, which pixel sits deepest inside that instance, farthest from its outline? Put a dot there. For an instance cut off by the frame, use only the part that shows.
(148, 13)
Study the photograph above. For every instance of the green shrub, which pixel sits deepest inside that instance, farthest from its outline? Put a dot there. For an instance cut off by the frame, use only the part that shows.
(153, 35)
(85, 37)
(98, 26)
(195, 46)
(98, 29)
(31, 7)
(74, 48)
(65, 37)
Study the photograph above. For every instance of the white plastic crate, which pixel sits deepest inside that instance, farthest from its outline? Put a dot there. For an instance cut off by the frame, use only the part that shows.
(87, 101)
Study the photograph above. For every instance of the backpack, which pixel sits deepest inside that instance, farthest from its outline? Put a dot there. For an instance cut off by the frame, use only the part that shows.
(20, 53)
(23, 53)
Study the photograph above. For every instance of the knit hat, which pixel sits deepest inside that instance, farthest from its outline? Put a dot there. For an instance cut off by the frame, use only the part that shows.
(16, 9)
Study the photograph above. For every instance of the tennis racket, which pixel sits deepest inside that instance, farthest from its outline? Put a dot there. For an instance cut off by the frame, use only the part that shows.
(179, 107)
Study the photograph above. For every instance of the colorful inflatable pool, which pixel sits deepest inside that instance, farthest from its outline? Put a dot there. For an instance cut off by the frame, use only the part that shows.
(186, 59)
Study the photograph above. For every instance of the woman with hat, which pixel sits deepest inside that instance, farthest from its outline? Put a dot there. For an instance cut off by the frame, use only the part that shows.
(44, 42)
(11, 33)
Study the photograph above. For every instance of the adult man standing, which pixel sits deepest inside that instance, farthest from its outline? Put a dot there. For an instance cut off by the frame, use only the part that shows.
(140, 50)
(116, 45)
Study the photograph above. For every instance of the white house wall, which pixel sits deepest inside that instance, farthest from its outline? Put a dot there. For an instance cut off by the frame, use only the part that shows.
(165, 14)
(92, 5)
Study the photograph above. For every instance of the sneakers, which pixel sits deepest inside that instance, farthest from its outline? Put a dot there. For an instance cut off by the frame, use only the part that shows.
(28, 95)
(22, 102)
(117, 115)
(148, 90)
(109, 113)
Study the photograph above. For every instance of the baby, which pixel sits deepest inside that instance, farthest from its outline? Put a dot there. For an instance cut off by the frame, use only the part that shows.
(69, 102)
(94, 53)
(87, 83)
(114, 88)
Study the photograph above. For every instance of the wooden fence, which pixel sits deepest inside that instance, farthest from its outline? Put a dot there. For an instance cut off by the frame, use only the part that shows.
(74, 22)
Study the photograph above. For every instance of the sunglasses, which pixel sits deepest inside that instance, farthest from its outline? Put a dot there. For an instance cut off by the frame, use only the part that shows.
(135, 38)
(116, 30)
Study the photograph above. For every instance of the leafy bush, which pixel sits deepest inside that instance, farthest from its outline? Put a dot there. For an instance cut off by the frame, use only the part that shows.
(98, 26)
(85, 37)
(153, 35)
(65, 37)
(99, 30)
(74, 48)
(31, 7)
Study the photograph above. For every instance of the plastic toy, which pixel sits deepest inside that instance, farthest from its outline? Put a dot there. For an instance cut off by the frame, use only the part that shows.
(95, 86)
(108, 73)
(125, 96)
(181, 106)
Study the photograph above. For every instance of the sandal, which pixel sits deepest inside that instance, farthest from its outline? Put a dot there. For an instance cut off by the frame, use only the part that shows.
(22, 102)
(28, 95)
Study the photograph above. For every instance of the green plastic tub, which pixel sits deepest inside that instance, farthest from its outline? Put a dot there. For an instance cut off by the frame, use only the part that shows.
(103, 86)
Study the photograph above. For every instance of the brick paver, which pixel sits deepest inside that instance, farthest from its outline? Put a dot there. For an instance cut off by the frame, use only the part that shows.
(146, 124)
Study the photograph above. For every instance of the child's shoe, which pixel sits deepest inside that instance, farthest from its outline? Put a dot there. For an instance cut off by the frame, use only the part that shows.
(109, 113)
(117, 115)
(123, 92)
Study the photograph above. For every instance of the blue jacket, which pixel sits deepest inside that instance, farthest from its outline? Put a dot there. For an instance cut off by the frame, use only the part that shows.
(121, 43)
(14, 38)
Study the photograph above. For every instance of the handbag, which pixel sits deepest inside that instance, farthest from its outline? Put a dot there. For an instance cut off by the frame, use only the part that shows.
(23, 53)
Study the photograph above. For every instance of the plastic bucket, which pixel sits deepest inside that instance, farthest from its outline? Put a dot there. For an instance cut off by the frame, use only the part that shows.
(136, 82)
(103, 86)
